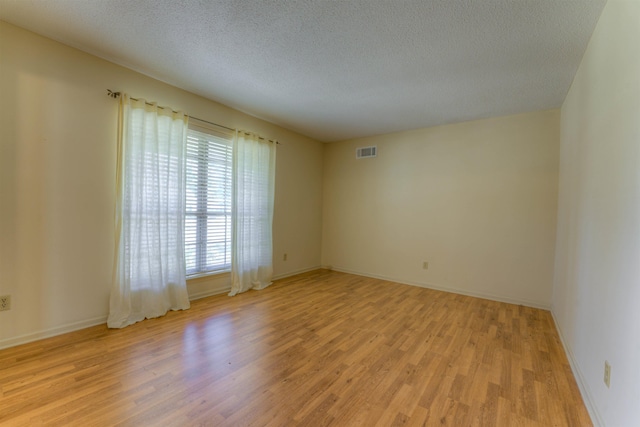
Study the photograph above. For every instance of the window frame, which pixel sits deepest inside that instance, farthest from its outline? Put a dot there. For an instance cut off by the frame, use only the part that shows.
(203, 213)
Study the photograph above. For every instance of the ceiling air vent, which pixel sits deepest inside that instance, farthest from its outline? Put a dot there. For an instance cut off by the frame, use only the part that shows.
(364, 152)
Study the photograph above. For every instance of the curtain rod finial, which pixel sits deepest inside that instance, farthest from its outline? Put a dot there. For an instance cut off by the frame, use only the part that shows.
(112, 94)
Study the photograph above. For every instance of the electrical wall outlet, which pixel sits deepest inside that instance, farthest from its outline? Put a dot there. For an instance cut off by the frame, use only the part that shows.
(425, 265)
(5, 302)
(607, 373)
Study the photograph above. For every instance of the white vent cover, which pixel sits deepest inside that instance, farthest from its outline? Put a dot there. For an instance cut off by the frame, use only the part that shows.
(364, 152)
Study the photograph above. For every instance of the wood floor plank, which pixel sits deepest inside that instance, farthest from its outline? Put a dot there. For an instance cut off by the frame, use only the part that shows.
(318, 349)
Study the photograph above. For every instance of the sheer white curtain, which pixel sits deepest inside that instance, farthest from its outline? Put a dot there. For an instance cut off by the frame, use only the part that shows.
(254, 165)
(149, 269)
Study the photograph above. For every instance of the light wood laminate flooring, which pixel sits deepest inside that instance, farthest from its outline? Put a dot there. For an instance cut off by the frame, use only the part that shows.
(318, 349)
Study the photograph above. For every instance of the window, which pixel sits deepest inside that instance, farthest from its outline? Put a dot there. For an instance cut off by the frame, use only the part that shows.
(208, 200)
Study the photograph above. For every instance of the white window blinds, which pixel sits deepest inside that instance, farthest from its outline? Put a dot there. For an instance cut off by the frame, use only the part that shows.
(208, 200)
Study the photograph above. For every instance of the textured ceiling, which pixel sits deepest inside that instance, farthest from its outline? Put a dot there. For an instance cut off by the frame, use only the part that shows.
(335, 70)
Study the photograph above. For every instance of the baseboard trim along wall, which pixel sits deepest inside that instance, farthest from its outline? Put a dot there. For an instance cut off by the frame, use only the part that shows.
(596, 419)
(293, 273)
(227, 288)
(483, 295)
(76, 326)
(71, 327)
(52, 332)
(209, 293)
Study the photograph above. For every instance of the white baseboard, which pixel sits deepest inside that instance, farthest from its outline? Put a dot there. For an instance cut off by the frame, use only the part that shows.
(596, 419)
(75, 326)
(209, 293)
(293, 273)
(449, 289)
(71, 327)
(52, 332)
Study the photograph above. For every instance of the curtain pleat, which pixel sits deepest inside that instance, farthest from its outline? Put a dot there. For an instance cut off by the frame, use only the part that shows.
(149, 269)
(254, 161)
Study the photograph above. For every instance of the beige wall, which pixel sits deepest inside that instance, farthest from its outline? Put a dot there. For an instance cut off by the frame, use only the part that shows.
(596, 295)
(57, 168)
(477, 200)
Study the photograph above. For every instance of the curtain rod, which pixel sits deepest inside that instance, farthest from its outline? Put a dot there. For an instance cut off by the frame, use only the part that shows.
(113, 94)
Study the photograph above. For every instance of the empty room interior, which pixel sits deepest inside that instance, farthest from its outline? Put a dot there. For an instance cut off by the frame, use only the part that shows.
(453, 228)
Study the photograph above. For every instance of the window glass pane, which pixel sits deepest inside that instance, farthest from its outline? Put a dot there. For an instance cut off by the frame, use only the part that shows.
(190, 243)
(208, 202)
